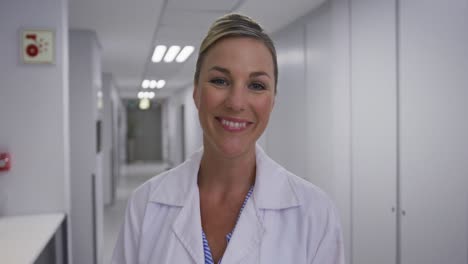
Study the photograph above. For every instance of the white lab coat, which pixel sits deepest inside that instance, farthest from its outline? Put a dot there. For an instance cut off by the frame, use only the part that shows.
(286, 220)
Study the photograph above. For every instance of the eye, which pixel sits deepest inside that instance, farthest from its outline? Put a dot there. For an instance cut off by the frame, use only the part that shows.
(219, 81)
(256, 86)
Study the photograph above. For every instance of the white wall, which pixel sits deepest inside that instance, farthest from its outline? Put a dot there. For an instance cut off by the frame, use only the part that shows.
(287, 134)
(172, 125)
(385, 119)
(433, 100)
(374, 128)
(86, 192)
(309, 132)
(122, 134)
(118, 144)
(172, 121)
(193, 132)
(340, 94)
(34, 111)
(107, 134)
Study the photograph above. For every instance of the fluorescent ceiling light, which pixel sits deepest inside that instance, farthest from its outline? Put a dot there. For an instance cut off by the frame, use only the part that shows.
(153, 84)
(171, 53)
(185, 53)
(158, 53)
(145, 84)
(160, 84)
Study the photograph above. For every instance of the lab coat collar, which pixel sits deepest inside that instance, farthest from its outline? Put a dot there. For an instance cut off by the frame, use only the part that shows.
(273, 188)
(175, 188)
(179, 188)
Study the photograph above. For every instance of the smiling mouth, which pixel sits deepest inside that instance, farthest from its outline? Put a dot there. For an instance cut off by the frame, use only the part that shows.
(233, 124)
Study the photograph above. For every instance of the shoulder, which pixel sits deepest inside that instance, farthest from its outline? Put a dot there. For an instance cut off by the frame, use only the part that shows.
(309, 195)
(168, 187)
(279, 188)
(144, 191)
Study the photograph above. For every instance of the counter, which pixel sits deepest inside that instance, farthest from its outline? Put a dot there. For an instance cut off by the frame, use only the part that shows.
(23, 238)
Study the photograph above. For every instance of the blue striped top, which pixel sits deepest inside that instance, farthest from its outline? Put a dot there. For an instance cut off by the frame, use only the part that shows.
(206, 247)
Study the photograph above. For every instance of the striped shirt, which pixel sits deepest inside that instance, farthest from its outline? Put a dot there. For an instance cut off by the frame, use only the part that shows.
(206, 247)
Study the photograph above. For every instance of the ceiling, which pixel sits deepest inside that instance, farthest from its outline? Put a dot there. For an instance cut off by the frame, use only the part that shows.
(128, 31)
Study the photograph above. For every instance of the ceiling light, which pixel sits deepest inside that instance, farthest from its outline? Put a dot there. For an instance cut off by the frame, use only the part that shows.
(171, 53)
(144, 104)
(153, 84)
(185, 53)
(140, 95)
(160, 84)
(145, 84)
(158, 53)
(151, 95)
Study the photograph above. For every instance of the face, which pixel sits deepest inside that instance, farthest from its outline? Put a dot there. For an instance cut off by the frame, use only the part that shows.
(235, 95)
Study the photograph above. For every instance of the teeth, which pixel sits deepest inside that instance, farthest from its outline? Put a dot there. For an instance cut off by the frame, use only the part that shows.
(231, 124)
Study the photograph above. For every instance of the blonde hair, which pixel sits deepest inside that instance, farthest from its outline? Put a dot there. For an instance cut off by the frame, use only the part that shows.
(235, 25)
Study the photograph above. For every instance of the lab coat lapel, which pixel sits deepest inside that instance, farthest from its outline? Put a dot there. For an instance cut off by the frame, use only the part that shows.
(187, 227)
(247, 235)
(180, 189)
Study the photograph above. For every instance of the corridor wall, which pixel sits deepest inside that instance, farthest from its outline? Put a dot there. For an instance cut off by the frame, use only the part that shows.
(86, 160)
(178, 132)
(383, 131)
(309, 132)
(108, 177)
(433, 128)
(34, 112)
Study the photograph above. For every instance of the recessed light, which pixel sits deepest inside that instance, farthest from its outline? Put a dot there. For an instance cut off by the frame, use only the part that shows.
(153, 84)
(158, 53)
(185, 53)
(145, 84)
(160, 84)
(171, 53)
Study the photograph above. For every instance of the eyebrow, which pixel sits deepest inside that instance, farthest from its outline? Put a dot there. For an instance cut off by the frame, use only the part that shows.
(226, 71)
(259, 73)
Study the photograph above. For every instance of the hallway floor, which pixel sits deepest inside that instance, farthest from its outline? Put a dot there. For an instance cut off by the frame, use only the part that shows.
(132, 176)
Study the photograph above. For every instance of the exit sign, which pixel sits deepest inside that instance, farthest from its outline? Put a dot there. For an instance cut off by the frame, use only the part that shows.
(38, 46)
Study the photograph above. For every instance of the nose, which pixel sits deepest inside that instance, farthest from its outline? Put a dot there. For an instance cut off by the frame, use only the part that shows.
(236, 98)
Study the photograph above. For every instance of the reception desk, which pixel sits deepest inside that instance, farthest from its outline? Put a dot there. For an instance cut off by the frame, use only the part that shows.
(32, 239)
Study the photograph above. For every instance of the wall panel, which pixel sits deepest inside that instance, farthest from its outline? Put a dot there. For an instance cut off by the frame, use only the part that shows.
(434, 131)
(374, 131)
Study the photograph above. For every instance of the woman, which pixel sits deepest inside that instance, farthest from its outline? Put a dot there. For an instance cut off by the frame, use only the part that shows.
(229, 202)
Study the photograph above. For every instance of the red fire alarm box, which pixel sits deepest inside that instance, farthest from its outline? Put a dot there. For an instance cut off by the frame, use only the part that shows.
(5, 161)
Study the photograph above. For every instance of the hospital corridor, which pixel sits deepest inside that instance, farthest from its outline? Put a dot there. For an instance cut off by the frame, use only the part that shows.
(368, 107)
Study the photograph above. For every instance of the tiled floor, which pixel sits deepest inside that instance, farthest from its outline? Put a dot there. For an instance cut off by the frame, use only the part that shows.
(132, 176)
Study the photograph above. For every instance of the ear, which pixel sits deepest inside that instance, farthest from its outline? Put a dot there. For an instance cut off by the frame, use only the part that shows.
(196, 95)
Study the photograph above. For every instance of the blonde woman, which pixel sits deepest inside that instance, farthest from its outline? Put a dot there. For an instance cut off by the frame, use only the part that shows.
(229, 202)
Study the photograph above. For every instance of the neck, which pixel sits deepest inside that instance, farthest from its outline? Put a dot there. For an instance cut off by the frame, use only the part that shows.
(226, 175)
